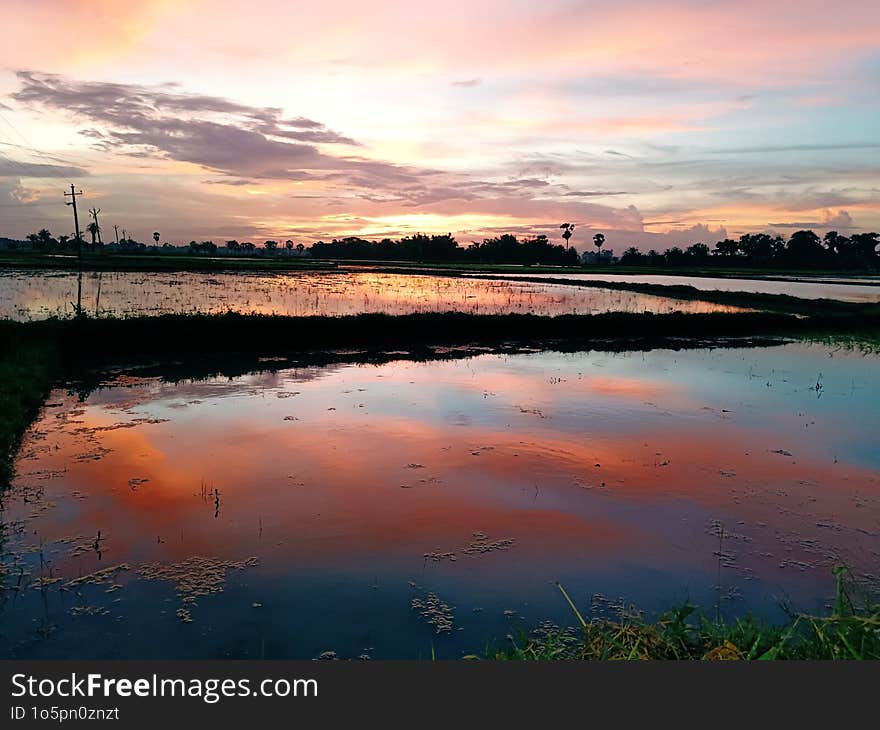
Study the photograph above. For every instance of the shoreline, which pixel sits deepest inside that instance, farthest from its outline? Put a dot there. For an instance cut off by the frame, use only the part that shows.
(158, 262)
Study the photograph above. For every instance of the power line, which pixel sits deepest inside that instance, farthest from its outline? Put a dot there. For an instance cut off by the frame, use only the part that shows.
(32, 148)
(48, 161)
(23, 167)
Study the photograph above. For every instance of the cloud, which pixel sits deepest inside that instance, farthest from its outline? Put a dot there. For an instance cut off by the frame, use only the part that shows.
(144, 108)
(593, 193)
(215, 133)
(831, 147)
(14, 168)
(620, 240)
(248, 143)
(467, 83)
(841, 220)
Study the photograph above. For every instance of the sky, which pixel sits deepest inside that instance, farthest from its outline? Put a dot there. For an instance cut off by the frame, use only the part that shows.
(657, 124)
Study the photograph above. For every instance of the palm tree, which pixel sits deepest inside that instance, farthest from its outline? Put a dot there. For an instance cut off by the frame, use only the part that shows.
(156, 236)
(92, 228)
(567, 231)
(599, 241)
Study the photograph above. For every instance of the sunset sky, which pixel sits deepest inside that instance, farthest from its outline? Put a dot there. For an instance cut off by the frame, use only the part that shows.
(657, 124)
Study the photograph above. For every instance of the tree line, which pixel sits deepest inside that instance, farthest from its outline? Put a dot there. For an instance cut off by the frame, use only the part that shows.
(803, 250)
(504, 249)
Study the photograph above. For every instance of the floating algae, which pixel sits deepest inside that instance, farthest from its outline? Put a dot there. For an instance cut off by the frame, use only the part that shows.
(194, 577)
(99, 577)
(184, 615)
(438, 556)
(88, 611)
(478, 545)
(89, 430)
(436, 612)
(482, 544)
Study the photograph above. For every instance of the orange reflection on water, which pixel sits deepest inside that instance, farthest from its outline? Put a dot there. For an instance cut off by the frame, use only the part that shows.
(342, 483)
(29, 295)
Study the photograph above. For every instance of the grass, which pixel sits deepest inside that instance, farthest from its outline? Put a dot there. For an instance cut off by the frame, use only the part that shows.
(90, 340)
(851, 631)
(27, 366)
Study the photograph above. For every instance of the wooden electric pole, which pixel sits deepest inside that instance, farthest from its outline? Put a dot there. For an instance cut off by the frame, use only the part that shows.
(73, 193)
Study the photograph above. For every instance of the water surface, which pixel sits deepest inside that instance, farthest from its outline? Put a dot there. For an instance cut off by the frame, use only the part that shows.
(26, 295)
(845, 290)
(391, 510)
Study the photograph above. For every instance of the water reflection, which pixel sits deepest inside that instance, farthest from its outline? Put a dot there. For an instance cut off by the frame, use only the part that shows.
(853, 289)
(35, 295)
(301, 511)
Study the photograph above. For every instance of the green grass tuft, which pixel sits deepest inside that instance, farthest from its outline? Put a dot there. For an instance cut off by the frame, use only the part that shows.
(851, 631)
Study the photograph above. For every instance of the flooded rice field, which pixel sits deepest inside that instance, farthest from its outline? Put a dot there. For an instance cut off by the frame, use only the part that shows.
(410, 508)
(854, 289)
(36, 295)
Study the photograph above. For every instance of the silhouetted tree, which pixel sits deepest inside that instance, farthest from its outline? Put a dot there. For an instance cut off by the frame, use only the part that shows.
(632, 257)
(92, 228)
(728, 247)
(760, 248)
(864, 247)
(698, 253)
(567, 231)
(804, 249)
(675, 256)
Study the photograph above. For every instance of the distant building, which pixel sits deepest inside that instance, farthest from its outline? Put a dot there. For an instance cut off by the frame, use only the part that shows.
(605, 256)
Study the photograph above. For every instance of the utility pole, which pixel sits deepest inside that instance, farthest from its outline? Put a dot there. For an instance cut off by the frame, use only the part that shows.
(116, 230)
(73, 193)
(94, 213)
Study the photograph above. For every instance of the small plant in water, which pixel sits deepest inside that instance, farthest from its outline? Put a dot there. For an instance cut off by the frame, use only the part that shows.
(850, 631)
